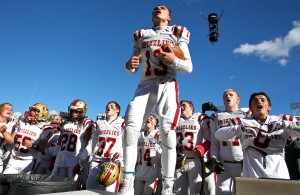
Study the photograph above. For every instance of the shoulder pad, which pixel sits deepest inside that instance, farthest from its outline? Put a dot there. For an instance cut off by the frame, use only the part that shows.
(181, 31)
(288, 118)
(137, 35)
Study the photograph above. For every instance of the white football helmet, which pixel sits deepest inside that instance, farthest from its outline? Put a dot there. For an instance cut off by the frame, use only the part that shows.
(108, 173)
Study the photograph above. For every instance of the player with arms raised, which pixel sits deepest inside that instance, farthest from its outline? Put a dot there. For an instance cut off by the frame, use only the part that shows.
(157, 90)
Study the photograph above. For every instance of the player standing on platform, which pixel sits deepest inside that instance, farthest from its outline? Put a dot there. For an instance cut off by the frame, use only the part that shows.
(193, 135)
(148, 168)
(228, 152)
(6, 126)
(263, 138)
(157, 90)
(31, 136)
(71, 141)
(106, 146)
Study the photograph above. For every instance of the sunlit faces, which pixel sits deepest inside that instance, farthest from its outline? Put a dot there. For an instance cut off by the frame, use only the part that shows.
(161, 12)
(186, 110)
(7, 111)
(151, 122)
(260, 105)
(230, 99)
(34, 112)
(112, 110)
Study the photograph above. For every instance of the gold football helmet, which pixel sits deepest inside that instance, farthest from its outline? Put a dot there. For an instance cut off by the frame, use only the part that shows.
(55, 118)
(78, 105)
(44, 112)
(108, 173)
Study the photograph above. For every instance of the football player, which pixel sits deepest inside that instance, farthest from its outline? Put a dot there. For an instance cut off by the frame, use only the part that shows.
(6, 126)
(148, 168)
(45, 159)
(193, 139)
(157, 90)
(30, 137)
(263, 138)
(71, 142)
(106, 142)
(228, 152)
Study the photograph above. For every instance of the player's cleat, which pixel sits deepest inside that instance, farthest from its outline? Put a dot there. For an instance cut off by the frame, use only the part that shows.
(167, 187)
(127, 187)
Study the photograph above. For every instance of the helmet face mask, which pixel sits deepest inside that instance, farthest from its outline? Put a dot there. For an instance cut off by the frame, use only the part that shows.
(108, 173)
(42, 111)
(78, 106)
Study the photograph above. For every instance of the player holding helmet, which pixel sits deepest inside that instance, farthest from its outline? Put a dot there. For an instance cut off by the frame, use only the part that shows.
(71, 141)
(106, 142)
(30, 137)
(44, 159)
(157, 90)
(193, 135)
(148, 168)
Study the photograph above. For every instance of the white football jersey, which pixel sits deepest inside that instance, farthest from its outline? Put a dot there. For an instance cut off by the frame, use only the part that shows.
(34, 133)
(108, 136)
(148, 41)
(9, 126)
(148, 162)
(192, 132)
(263, 154)
(72, 142)
(226, 150)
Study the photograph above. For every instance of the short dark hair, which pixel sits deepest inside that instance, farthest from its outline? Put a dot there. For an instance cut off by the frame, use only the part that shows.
(2, 106)
(259, 93)
(115, 103)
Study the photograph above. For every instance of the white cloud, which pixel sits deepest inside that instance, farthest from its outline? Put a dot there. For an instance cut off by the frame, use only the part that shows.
(277, 49)
(231, 77)
(17, 114)
(51, 112)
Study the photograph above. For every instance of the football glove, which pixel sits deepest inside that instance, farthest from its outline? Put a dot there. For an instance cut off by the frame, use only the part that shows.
(218, 166)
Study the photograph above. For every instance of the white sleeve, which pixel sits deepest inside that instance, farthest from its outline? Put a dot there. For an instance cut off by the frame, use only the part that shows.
(214, 147)
(227, 133)
(184, 66)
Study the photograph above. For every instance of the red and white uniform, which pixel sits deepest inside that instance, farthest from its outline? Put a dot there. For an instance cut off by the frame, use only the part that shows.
(148, 168)
(228, 152)
(157, 89)
(190, 133)
(22, 158)
(44, 158)
(9, 126)
(107, 136)
(71, 146)
(263, 154)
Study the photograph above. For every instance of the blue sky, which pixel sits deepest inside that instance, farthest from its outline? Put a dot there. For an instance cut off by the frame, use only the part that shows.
(55, 51)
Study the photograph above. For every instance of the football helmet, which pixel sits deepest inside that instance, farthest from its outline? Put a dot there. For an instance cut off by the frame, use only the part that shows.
(55, 118)
(44, 112)
(78, 105)
(108, 173)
